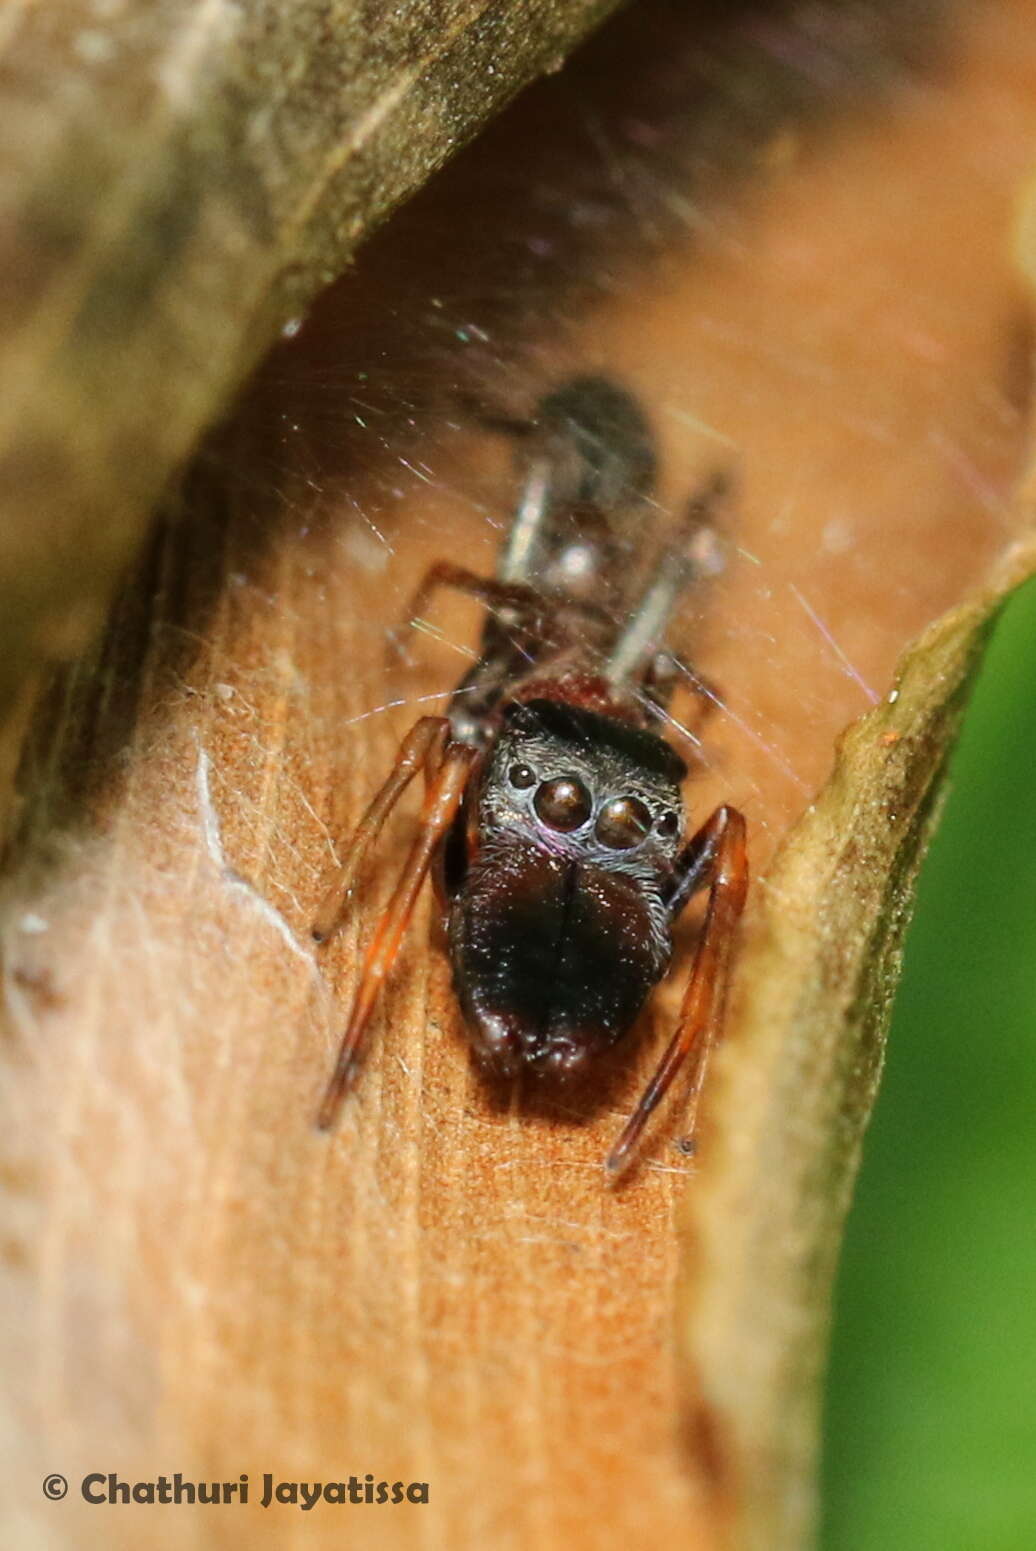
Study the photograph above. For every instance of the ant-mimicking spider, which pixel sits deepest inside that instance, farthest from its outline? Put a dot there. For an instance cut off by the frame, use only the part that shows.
(552, 813)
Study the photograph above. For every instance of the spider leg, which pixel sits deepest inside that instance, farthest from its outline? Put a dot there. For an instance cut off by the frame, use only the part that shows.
(515, 605)
(490, 591)
(715, 858)
(422, 748)
(495, 595)
(518, 560)
(695, 555)
(442, 799)
(666, 673)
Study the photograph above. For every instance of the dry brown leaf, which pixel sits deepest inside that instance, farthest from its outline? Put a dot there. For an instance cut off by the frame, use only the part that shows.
(178, 181)
(444, 1291)
(795, 1082)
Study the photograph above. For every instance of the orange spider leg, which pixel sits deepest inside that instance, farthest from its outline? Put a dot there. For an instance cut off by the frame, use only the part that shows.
(422, 748)
(716, 857)
(442, 799)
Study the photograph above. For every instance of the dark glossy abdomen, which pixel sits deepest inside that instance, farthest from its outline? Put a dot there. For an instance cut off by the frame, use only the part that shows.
(552, 959)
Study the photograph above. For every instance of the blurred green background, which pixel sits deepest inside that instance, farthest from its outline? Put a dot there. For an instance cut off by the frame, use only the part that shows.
(931, 1407)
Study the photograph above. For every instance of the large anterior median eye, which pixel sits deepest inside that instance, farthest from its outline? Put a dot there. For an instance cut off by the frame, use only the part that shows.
(563, 803)
(623, 822)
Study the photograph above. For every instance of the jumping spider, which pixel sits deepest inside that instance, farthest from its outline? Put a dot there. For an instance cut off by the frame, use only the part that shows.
(553, 813)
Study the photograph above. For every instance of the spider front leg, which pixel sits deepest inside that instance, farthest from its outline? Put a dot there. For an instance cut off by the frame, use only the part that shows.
(447, 770)
(421, 749)
(715, 858)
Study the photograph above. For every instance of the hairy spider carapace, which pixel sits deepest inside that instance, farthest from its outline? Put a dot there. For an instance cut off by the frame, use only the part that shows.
(552, 808)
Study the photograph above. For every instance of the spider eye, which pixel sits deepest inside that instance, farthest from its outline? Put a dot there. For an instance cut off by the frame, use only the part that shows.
(563, 803)
(623, 822)
(668, 825)
(521, 776)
